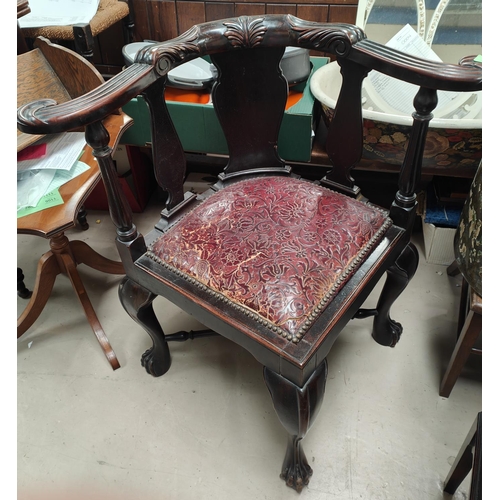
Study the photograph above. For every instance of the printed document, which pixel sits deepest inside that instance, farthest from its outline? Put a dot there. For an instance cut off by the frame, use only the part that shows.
(39, 176)
(400, 94)
(58, 13)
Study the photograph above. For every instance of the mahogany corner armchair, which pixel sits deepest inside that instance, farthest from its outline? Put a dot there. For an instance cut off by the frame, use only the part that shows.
(276, 263)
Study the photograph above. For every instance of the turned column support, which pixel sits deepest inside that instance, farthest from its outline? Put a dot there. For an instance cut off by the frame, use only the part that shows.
(97, 137)
(59, 244)
(404, 206)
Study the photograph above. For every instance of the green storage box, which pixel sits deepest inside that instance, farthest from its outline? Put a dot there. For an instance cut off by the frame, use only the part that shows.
(200, 132)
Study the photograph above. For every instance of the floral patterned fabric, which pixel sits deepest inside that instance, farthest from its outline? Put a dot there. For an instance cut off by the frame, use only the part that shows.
(445, 149)
(469, 236)
(280, 247)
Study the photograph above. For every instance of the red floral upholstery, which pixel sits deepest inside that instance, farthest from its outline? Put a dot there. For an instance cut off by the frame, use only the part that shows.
(279, 246)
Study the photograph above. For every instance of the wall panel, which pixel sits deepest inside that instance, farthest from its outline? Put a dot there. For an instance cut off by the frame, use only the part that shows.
(318, 13)
(189, 13)
(141, 19)
(284, 8)
(165, 19)
(162, 20)
(249, 9)
(342, 14)
(218, 10)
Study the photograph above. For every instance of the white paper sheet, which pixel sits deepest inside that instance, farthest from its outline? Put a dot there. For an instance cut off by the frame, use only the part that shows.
(62, 152)
(31, 189)
(401, 94)
(60, 164)
(59, 13)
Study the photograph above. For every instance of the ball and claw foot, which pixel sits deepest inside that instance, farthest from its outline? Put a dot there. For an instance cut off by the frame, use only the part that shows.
(396, 330)
(296, 471)
(389, 334)
(137, 301)
(152, 365)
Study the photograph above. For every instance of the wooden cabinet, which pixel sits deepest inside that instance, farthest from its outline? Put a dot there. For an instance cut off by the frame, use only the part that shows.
(161, 20)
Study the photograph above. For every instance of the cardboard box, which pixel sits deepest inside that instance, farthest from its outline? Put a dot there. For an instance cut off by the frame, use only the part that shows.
(439, 223)
(199, 129)
(438, 243)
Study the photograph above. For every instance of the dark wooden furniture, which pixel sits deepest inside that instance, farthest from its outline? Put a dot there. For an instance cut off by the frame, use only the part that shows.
(468, 459)
(468, 263)
(58, 73)
(23, 8)
(320, 162)
(83, 37)
(22, 291)
(470, 325)
(276, 263)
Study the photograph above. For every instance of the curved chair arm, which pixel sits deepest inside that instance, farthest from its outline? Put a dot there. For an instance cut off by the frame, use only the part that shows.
(47, 117)
(343, 41)
(423, 72)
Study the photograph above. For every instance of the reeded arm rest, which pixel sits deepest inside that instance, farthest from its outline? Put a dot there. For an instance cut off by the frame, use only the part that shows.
(47, 117)
(422, 72)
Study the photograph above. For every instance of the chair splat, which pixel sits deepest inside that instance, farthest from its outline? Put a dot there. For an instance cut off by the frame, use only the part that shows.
(246, 76)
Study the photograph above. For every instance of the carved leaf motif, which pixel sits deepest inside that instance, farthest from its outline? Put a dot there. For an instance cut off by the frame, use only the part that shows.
(245, 33)
(177, 50)
(340, 38)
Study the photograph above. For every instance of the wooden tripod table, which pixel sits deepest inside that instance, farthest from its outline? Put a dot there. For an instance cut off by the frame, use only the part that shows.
(64, 255)
(53, 71)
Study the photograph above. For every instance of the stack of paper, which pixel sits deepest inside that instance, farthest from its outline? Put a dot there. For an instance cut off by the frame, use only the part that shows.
(400, 94)
(52, 162)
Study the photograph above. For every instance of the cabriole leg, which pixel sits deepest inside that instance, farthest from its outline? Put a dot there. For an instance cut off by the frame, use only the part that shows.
(138, 302)
(386, 331)
(297, 408)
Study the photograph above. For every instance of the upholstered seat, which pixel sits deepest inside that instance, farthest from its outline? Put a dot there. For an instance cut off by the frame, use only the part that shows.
(279, 247)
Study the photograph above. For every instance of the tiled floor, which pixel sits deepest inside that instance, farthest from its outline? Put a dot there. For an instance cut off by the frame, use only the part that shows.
(207, 429)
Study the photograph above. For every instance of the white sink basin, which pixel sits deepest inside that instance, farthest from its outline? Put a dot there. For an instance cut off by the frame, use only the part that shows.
(455, 132)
